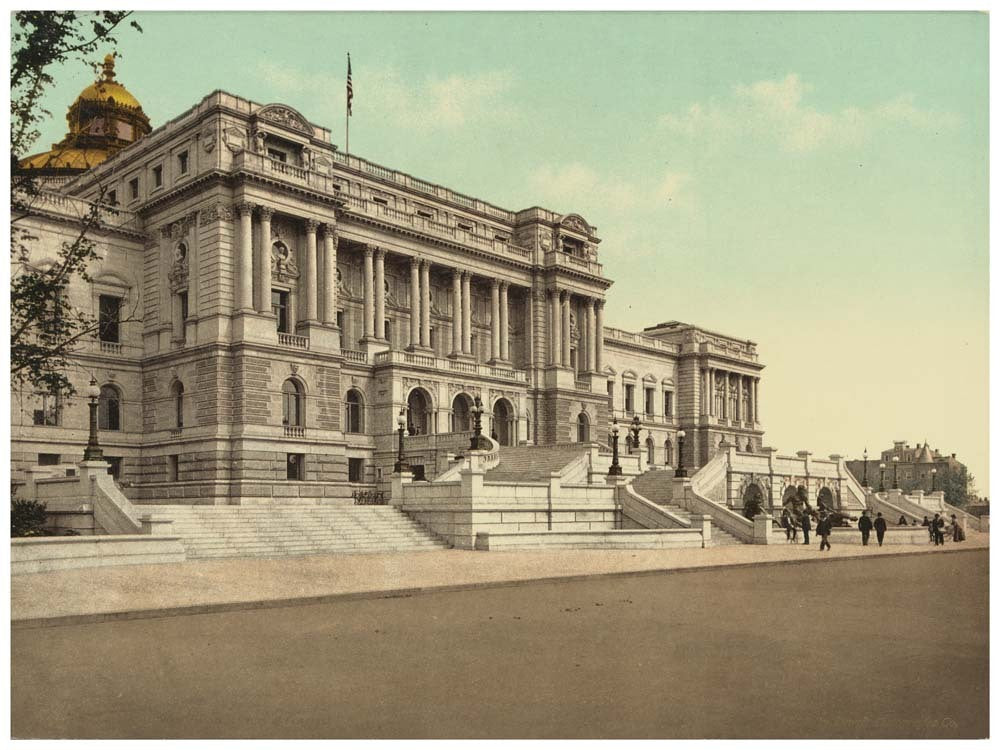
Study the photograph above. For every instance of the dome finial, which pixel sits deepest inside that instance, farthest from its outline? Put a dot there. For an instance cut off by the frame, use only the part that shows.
(109, 68)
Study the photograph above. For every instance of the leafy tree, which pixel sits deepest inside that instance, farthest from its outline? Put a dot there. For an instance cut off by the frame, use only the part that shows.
(27, 518)
(45, 327)
(956, 486)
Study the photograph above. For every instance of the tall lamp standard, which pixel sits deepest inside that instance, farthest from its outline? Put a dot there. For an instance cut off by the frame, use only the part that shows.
(933, 480)
(615, 470)
(895, 472)
(881, 477)
(864, 481)
(401, 464)
(680, 471)
(93, 450)
(477, 424)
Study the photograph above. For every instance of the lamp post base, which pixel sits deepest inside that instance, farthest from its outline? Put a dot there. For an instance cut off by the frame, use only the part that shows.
(680, 472)
(615, 470)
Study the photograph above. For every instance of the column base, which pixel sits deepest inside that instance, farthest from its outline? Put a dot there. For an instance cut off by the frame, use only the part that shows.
(417, 349)
(321, 337)
(498, 362)
(462, 356)
(254, 326)
(372, 345)
(557, 376)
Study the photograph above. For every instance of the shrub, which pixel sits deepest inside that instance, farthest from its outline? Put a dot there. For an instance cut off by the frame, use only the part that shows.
(27, 518)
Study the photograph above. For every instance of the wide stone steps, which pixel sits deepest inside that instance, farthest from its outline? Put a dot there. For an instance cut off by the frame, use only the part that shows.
(656, 485)
(276, 530)
(533, 463)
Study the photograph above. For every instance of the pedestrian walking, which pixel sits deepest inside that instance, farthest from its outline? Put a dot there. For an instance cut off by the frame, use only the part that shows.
(865, 527)
(880, 527)
(930, 529)
(957, 532)
(823, 528)
(937, 525)
(786, 524)
(806, 528)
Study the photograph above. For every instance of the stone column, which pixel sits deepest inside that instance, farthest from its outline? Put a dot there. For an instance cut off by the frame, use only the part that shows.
(504, 323)
(725, 401)
(739, 398)
(555, 328)
(310, 272)
(379, 283)
(414, 302)
(466, 312)
(495, 320)
(591, 336)
(756, 401)
(244, 258)
(264, 260)
(599, 337)
(711, 391)
(425, 304)
(456, 312)
(565, 329)
(369, 329)
(330, 274)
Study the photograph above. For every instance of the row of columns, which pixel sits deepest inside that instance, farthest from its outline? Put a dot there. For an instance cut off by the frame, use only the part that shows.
(708, 389)
(253, 266)
(591, 353)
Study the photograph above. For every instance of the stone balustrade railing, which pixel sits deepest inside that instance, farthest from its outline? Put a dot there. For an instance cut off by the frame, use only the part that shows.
(75, 208)
(637, 339)
(397, 357)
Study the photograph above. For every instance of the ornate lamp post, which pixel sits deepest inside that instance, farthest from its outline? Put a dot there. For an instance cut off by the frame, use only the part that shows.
(636, 424)
(93, 450)
(864, 481)
(680, 471)
(615, 470)
(477, 424)
(881, 477)
(933, 480)
(895, 472)
(401, 464)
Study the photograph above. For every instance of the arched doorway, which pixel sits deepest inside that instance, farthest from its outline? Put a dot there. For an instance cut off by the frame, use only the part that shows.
(418, 412)
(668, 453)
(583, 428)
(504, 426)
(753, 501)
(461, 416)
(650, 451)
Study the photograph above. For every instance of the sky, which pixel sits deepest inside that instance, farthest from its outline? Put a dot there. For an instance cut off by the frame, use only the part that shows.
(814, 182)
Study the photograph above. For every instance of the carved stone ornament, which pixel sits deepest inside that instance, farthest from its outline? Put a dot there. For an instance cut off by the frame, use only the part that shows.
(575, 223)
(179, 229)
(574, 331)
(208, 140)
(294, 368)
(283, 266)
(285, 116)
(235, 138)
(428, 385)
(178, 273)
(343, 292)
(259, 138)
(216, 212)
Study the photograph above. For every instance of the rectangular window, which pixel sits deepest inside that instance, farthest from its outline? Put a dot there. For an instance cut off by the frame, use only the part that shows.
(629, 398)
(279, 307)
(465, 227)
(668, 404)
(157, 176)
(113, 197)
(109, 318)
(355, 469)
(114, 466)
(501, 238)
(48, 414)
(380, 201)
(182, 162)
(424, 214)
(340, 319)
(277, 155)
(388, 331)
(649, 402)
(295, 466)
(48, 459)
(611, 393)
(172, 470)
(183, 296)
(133, 188)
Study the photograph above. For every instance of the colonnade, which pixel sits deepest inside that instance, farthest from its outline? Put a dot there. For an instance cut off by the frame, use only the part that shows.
(591, 351)
(723, 410)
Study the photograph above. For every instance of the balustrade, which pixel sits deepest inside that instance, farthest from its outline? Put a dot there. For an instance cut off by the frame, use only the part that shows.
(296, 342)
(291, 431)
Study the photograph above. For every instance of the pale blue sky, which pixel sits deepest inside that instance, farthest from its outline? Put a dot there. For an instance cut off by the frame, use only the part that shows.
(814, 182)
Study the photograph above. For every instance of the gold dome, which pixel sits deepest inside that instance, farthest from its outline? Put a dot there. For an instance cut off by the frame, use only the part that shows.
(104, 119)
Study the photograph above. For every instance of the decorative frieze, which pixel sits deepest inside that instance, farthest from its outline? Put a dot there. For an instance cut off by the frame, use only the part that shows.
(216, 212)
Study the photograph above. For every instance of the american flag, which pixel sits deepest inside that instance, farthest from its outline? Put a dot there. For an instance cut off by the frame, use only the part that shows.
(350, 86)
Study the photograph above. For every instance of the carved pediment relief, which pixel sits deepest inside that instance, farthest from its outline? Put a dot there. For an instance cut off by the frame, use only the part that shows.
(235, 138)
(575, 223)
(283, 265)
(286, 116)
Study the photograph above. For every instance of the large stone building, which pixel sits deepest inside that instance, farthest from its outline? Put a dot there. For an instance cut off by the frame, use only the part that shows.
(917, 467)
(270, 304)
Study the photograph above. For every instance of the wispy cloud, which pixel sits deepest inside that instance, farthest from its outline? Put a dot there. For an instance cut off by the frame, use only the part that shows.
(448, 103)
(577, 187)
(777, 109)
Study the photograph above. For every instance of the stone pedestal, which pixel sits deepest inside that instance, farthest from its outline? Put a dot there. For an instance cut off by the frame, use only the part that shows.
(257, 327)
(321, 337)
(563, 378)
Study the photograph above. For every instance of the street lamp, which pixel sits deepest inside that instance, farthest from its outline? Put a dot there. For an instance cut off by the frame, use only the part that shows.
(933, 480)
(881, 477)
(636, 424)
(615, 470)
(680, 471)
(401, 464)
(477, 414)
(895, 472)
(864, 481)
(93, 450)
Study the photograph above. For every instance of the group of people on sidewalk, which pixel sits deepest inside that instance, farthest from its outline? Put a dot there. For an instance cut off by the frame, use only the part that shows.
(791, 522)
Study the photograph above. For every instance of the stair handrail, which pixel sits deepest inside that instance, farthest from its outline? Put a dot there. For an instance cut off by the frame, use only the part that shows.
(626, 492)
(876, 503)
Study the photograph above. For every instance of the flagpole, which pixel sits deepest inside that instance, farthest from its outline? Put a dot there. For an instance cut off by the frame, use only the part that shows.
(347, 109)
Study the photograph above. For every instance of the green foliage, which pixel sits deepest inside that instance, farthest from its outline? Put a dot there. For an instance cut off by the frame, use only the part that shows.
(45, 327)
(27, 518)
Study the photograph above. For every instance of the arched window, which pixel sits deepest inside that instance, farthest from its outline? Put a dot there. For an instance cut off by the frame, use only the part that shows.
(582, 428)
(109, 409)
(292, 404)
(354, 412)
(178, 395)
(668, 453)
(461, 418)
(650, 451)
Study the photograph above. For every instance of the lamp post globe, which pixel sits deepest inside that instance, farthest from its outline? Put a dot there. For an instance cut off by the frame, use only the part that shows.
(864, 481)
(933, 480)
(895, 472)
(93, 450)
(680, 471)
(881, 477)
(401, 465)
(615, 470)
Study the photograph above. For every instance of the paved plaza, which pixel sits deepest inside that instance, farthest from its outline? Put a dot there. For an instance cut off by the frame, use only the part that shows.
(888, 646)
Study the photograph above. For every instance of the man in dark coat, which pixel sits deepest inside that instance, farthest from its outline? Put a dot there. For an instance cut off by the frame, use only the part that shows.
(865, 527)
(880, 526)
(806, 527)
(823, 528)
(937, 525)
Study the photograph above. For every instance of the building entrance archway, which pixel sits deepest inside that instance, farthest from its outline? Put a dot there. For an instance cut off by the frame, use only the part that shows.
(418, 412)
(461, 413)
(504, 426)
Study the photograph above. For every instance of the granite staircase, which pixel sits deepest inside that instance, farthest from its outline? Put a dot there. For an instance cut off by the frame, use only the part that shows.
(535, 463)
(657, 486)
(214, 531)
